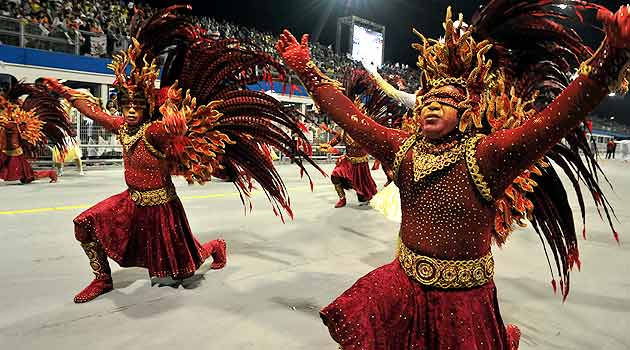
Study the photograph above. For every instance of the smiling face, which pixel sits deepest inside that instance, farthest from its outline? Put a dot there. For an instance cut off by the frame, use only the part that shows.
(438, 116)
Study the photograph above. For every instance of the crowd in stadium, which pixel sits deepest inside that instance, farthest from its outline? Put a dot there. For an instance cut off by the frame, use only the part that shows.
(84, 20)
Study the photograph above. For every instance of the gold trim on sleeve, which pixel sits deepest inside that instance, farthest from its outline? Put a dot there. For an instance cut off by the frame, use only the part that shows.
(473, 167)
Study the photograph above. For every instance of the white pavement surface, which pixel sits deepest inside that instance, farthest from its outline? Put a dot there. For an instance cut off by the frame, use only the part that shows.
(278, 276)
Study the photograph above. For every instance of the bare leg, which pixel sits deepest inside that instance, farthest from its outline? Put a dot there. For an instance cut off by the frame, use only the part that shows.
(79, 166)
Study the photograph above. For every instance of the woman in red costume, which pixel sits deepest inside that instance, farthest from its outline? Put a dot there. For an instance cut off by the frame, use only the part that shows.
(26, 127)
(479, 164)
(223, 128)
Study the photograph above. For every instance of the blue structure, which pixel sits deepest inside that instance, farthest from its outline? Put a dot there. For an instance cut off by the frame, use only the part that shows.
(88, 64)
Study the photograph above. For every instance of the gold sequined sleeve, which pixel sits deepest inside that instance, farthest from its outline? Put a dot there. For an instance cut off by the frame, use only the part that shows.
(407, 99)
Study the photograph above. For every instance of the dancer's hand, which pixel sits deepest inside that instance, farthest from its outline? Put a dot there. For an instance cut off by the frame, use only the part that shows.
(295, 54)
(175, 122)
(616, 26)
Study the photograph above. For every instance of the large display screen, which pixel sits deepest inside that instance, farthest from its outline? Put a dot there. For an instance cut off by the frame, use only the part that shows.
(367, 46)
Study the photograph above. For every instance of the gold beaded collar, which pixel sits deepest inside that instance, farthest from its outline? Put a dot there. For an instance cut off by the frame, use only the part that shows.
(127, 140)
(429, 158)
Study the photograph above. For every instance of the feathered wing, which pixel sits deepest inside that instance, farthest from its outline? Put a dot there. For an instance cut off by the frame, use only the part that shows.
(232, 132)
(360, 87)
(41, 117)
(538, 52)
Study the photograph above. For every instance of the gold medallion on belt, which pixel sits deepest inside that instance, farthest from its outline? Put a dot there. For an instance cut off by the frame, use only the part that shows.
(153, 197)
(446, 274)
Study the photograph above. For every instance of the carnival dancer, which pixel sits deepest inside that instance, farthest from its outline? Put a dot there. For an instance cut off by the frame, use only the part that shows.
(479, 165)
(26, 126)
(201, 121)
(352, 170)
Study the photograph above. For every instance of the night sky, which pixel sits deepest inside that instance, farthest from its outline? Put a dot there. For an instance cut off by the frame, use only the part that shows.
(319, 18)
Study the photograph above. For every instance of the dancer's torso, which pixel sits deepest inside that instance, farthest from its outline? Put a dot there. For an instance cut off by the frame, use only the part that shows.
(443, 215)
(353, 148)
(143, 170)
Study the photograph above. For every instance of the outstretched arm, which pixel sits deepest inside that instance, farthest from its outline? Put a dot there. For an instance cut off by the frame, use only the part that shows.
(407, 99)
(506, 154)
(381, 142)
(86, 104)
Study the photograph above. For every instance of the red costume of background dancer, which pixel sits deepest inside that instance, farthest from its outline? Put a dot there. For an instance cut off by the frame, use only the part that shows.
(463, 187)
(167, 133)
(352, 170)
(26, 127)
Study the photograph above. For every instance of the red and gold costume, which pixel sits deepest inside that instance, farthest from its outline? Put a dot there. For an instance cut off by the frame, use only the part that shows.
(26, 127)
(352, 170)
(216, 126)
(462, 191)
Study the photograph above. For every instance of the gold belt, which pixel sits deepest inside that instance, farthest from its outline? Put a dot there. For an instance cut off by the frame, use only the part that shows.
(357, 160)
(13, 152)
(446, 274)
(153, 197)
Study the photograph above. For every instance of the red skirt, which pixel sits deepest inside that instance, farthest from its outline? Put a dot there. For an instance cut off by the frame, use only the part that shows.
(386, 310)
(14, 168)
(154, 237)
(356, 177)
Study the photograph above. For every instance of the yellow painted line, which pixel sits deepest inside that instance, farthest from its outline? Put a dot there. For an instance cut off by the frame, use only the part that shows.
(83, 206)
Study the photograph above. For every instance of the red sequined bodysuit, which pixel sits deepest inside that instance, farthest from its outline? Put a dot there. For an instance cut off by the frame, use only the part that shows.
(444, 217)
(146, 225)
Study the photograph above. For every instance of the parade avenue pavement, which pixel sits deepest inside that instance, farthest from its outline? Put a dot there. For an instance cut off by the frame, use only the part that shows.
(278, 275)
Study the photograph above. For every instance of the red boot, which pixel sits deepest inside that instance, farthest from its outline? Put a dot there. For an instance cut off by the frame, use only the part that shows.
(513, 335)
(218, 250)
(342, 196)
(102, 282)
(100, 285)
(52, 174)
